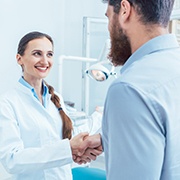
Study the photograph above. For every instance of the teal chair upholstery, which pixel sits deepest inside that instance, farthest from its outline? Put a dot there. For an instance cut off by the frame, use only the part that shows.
(88, 173)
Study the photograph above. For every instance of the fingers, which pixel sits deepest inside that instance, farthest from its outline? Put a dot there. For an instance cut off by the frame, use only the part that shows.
(81, 136)
(76, 142)
(74, 157)
(95, 152)
(100, 148)
(90, 154)
(85, 147)
(93, 141)
(82, 160)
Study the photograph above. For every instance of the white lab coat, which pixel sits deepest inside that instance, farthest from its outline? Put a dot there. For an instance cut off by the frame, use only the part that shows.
(31, 145)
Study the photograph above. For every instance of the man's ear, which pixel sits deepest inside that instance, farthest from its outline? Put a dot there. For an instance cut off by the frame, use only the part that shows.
(125, 11)
(18, 58)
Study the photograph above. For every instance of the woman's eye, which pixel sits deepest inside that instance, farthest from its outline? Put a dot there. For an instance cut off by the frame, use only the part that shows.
(50, 54)
(37, 53)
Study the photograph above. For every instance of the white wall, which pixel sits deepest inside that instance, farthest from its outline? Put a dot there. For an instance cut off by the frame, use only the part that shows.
(22, 16)
(75, 11)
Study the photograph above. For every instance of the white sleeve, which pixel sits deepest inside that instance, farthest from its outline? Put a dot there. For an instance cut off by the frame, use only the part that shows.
(17, 159)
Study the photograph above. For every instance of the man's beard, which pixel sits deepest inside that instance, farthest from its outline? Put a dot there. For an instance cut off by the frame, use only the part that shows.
(120, 46)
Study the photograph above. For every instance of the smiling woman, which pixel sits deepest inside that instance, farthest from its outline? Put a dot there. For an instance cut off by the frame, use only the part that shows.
(35, 132)
(36, 61)
(35, 55)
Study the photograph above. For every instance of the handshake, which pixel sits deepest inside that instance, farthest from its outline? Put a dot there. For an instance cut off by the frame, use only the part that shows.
(85, 148)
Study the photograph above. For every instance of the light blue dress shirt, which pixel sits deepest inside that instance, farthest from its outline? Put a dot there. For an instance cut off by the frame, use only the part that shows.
(141, 121)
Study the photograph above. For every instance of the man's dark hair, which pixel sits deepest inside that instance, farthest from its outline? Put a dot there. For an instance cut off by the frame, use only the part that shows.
(150, 11)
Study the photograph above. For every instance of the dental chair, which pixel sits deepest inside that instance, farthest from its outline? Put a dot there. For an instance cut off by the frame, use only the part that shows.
(88, 173)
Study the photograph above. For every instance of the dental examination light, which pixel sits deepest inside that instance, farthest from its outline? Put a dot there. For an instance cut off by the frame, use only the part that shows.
(102, 70)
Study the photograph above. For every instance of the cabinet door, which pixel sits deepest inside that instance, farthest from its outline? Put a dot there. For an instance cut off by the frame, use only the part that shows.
(174, 25)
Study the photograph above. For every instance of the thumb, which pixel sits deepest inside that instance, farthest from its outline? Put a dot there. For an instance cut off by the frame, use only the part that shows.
(76, 142)
(83, 135)
(83, 146)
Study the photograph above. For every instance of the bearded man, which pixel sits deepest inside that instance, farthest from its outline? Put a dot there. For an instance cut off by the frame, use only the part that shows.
(141, 120)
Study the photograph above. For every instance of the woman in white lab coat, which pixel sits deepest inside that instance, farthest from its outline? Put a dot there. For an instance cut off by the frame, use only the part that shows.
(35, 132)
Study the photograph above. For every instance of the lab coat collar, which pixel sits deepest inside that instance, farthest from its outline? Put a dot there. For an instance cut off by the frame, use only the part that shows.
(45, 90)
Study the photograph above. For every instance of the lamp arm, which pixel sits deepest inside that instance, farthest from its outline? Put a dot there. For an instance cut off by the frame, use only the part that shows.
(76, 58)
(86, 60)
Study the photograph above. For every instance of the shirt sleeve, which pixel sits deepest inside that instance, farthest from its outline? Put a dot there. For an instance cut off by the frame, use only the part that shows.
(17, 159)
(133, 139)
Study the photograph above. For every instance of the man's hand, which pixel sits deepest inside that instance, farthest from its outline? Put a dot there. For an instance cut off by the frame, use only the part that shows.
(89, 154)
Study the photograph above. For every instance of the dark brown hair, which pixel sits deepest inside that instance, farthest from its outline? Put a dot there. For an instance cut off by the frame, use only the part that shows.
(150, 11)
(67, 123)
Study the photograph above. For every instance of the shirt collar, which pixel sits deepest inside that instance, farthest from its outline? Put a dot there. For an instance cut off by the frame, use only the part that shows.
(25, 83)
(156, 44)
(45, 90)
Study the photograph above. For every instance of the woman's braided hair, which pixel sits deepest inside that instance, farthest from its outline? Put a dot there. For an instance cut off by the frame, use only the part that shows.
(67, 123)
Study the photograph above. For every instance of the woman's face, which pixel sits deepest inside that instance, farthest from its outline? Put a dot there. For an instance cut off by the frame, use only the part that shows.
(37, 59)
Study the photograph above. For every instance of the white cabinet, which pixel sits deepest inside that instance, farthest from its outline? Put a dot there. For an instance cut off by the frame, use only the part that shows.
(174, 25)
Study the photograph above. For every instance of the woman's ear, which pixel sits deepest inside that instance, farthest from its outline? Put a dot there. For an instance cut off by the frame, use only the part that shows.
(19, 61)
